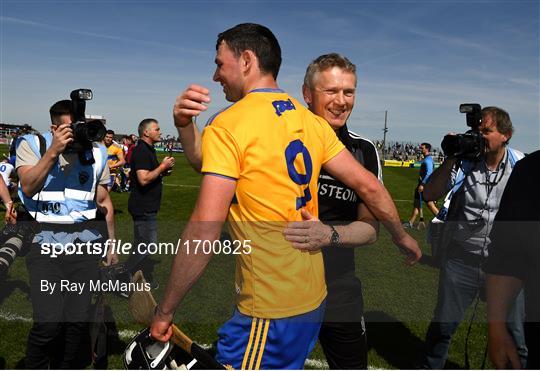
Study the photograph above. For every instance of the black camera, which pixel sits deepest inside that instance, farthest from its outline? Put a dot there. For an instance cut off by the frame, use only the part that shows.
(14, 239)
(84, 132)
(470, 145)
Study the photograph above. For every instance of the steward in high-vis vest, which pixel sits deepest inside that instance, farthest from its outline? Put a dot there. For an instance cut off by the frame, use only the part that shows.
(66, 197)
(63, 191)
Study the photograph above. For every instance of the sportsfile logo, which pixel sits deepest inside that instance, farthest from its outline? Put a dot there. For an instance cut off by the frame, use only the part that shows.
(225, 247)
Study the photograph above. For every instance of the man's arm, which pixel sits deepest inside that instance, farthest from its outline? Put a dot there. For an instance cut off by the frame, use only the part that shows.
(190, 137)
(429, 169)
(11, 214)
(146, 177)
(187, 105)
(345, 168)
(105, 205)
(312, 234)
(205, 223)
(501, 293)
(437, 184)
(33, 178)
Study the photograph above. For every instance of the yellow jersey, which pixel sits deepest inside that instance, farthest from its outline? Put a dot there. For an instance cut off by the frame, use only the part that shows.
(274, 148)
(112, 156)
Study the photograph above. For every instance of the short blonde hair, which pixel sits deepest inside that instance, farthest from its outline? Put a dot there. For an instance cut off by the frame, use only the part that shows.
(325, 62)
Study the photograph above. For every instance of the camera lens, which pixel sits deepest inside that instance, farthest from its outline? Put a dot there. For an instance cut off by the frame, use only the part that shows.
(95, 131)
(451, 145)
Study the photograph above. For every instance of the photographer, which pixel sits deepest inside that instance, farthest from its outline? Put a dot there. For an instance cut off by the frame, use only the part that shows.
(477, 187)
(62, 191)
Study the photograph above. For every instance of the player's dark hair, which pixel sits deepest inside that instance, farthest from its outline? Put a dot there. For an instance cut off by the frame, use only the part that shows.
(110, 132)
(427, 145)
(257, 38)
(144, 125)
(60, 108)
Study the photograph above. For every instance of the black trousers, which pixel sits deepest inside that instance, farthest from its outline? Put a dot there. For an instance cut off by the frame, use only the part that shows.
(59, 336)
(145, 230)
(344, 345)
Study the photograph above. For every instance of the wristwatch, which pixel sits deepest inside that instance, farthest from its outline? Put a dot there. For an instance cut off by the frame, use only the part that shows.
(335, 240)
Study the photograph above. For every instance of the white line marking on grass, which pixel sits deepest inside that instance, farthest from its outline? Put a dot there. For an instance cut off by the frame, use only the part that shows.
(196, 186)
(317, 363)
(130, 334)
(181, 185)
(127, 334)
(13, 317)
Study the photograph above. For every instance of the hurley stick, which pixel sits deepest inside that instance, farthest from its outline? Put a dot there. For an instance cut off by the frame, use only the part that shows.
(421, 224)
(142, 306)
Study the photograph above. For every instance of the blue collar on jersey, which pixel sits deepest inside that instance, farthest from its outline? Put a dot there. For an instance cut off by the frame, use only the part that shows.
(267, 90)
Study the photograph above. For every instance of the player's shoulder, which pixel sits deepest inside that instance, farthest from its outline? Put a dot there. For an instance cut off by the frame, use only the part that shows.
(364, 143)
(220, 115)
(256, 103)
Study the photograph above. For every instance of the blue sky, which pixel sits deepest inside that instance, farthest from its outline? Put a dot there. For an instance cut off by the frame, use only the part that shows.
(417, 59)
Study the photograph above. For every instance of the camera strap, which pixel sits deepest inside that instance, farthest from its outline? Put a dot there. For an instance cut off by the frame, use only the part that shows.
(42, 145)
(42, 150)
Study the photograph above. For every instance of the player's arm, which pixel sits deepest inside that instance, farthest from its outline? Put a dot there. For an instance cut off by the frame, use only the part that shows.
(344, 167)
(501, 293)
(430, 166)
(146, 177)
(121, 159)
(205, 223)
(187, 105)
(190, 137)
(312, 234)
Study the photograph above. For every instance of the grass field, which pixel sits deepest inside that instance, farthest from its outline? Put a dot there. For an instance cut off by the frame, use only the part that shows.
(399, 300)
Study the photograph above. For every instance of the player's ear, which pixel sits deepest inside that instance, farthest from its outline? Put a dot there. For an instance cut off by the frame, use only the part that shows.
(307, 94)
(247, 60)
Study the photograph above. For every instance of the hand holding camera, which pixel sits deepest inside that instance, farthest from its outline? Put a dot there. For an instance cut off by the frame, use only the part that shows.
(470, 145)
(62, 137)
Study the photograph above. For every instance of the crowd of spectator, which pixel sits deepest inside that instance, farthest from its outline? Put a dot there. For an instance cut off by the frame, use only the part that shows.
(405, 151)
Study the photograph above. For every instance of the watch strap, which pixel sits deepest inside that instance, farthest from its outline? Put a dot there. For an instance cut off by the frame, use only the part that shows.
(335, 238)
